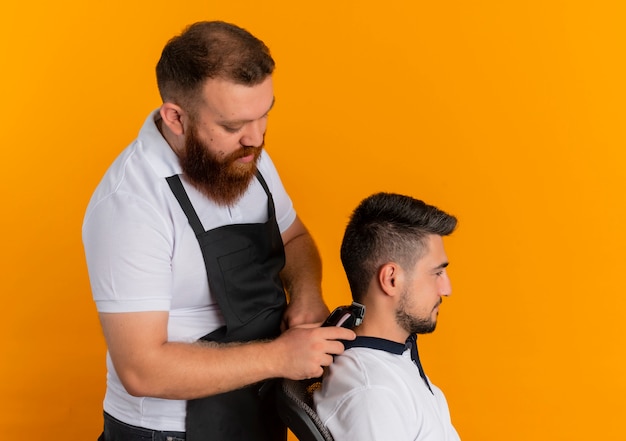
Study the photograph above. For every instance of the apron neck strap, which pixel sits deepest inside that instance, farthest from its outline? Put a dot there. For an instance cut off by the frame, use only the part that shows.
(177, 188)
(181, 195)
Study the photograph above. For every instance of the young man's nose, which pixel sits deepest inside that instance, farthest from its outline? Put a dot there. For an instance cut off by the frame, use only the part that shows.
(445, 289)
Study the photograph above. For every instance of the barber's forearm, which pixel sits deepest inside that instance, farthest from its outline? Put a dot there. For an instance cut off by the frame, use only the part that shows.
(186, 371)
(149, 365)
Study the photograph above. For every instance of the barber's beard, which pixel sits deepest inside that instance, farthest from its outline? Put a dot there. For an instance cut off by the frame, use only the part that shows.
(411, 323)
(221, 179)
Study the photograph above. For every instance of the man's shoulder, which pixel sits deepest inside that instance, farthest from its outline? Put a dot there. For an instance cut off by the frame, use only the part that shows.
(370, 357)
(362, 367)
(129, 187)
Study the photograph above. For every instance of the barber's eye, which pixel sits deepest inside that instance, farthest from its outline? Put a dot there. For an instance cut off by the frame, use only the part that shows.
(232, 129)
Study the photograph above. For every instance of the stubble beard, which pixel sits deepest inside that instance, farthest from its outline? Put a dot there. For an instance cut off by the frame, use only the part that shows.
(411, 323)
(221, 179)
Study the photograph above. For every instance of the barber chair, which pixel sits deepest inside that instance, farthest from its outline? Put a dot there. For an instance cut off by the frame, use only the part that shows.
(295, 407)
(294, 399)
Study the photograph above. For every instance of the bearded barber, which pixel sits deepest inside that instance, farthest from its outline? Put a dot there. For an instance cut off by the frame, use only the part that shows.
(197, 259)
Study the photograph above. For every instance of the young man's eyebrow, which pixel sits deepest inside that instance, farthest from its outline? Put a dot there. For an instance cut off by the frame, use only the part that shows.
(442, 266)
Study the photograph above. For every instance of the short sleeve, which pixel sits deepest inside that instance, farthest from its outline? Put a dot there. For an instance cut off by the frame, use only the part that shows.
(128, 251)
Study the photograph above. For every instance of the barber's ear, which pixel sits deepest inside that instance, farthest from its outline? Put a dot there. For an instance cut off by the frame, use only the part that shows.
(174, 117)
(390, 278)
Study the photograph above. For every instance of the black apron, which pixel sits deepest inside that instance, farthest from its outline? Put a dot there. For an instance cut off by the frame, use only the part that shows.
(243, 262)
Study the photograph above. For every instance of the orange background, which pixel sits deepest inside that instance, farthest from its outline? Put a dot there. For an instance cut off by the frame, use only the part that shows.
(508, 114)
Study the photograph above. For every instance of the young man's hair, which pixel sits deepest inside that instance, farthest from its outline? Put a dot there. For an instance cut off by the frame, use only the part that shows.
(210, 49)
(388, 227)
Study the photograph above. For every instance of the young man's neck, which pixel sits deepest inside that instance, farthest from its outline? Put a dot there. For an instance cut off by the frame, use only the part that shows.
(376, 325)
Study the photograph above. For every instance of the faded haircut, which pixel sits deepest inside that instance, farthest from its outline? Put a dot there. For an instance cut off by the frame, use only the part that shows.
(207, 50)
(388, 227)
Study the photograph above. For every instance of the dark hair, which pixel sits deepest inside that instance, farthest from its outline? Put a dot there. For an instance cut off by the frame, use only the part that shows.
(388, 227)
(210, 49)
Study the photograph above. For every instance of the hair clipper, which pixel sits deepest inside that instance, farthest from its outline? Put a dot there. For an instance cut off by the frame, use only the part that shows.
(348, 316)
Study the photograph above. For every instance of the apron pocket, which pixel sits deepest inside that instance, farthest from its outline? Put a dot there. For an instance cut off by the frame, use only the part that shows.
(249, 292)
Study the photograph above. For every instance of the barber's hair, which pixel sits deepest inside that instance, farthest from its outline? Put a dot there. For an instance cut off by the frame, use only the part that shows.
(209, 50)
(388, 227)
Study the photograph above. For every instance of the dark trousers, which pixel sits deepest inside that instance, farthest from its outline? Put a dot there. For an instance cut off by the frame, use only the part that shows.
(115, 430)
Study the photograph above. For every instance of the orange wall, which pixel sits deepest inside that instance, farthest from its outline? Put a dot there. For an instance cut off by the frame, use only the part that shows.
(508, 114)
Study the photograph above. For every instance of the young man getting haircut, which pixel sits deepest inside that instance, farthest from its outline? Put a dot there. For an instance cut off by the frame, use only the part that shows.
(395, 262)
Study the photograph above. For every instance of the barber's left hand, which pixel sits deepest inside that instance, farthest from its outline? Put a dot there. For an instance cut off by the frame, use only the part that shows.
(302, 312)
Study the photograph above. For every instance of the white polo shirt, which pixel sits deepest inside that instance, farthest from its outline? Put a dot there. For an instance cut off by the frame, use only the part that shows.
(142, 255)
(376, 393)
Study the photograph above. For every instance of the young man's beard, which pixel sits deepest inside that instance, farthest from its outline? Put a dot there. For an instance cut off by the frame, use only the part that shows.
(221, 179)
(410, 323)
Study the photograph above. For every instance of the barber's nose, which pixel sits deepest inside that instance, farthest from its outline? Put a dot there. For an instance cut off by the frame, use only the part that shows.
(254, 133)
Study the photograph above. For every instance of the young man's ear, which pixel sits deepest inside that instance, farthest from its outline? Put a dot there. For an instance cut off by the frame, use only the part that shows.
(390, 278)
(173, 117)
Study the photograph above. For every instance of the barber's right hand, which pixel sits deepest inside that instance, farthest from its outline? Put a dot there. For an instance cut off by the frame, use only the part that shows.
(302, 352)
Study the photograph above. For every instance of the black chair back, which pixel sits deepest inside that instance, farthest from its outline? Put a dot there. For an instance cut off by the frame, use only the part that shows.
(295, 407)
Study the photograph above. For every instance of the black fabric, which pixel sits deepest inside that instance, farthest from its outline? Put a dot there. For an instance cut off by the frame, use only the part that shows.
(243, 414)
(116, 430)
(375, 343)
(411, 343)
(243, 262)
